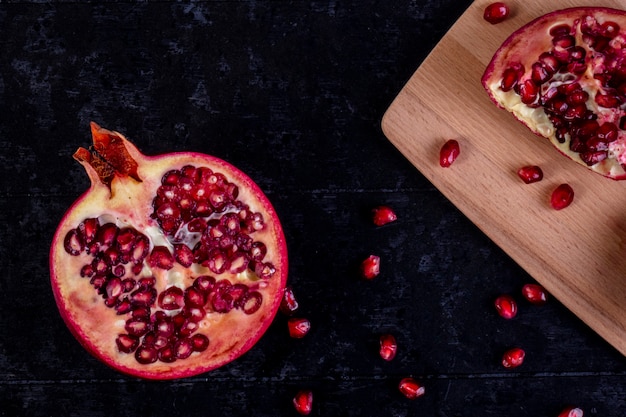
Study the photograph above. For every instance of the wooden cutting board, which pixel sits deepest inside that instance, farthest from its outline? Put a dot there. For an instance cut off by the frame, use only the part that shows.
(579, 253)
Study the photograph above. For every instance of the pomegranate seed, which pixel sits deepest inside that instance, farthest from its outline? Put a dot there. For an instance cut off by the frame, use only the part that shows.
(171, 299)
(571, 412)
(370, 267)
(562, 196)
(535, 293)
(513, 358)
(199, 342)
(506, 306)
(530, 174)
(496, 12)
(388, 347)
(251, 302)
(288, 304)
(383, 215)
(183, 255)
(449, 152)
(127, 343)
(410, 388)
(146, 354)
(303, 402)
(161, 258)
(298, 327)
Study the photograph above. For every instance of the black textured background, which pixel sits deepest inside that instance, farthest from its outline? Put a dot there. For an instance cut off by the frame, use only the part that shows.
(292, 92)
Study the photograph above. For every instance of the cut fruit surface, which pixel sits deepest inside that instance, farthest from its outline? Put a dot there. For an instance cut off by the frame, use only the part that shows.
(564, 76)
(167, 266)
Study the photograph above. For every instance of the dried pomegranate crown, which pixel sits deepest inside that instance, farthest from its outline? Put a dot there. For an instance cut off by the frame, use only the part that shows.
(564, 76)
(168, 266)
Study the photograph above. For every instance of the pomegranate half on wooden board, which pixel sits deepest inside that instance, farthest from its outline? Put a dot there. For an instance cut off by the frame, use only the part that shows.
(564, 76)
(167, 266)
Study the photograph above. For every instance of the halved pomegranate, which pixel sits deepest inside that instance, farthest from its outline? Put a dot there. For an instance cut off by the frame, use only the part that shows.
(564, 76)
(168, 266)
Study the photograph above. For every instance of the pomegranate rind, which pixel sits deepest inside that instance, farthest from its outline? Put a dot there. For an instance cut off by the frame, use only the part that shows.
(96, 326)
(524, 46)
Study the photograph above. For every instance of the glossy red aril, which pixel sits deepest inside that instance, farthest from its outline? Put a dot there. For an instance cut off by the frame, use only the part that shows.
(298, 327)
(530, 174)
(535, 293)
(506, 306)
(388, 347)
(289, 303)
(370, 267)
(303, 402)
(496, 12)
(168, 266)
(571, 412)
(383, 215)
(513, 358)
(563, 75)
(410, 388)
(562, 196)
(448, 153)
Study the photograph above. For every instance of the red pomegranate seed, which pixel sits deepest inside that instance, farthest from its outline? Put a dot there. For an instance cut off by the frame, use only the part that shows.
(171, 299)
(562, 196)
(449, 152)
(506, 306)
(303, 402)
(410, 388)
(298, 327)
(383, 215)
(496, 12)
(289, 303)
(370, 267)
(513, 358)
(388, 347)
(535, 293)
(571, 412)
(161, 258)
(530, 174)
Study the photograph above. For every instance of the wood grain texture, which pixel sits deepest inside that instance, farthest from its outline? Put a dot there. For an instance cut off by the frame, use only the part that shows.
(576, 253)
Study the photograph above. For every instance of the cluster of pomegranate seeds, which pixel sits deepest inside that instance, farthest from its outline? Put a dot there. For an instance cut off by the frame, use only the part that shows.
(496, 12)
(571, 412)
(555, 85)
(535, 294)
(562, 196)
(303, 402)
(388, 347)
(506, 306)
(448, 153)
(530, 174)
(196, 202)
(410, 388)
(191, 204)
(383, 215)
(513, 358)
(370, 267)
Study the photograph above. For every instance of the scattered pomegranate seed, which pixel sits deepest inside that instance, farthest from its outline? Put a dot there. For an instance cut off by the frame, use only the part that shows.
(298, 327)
(383, 215)
(571, 412)
(370, 267)
(289, 303)
(535, 293)
(496, 12)
(530, 174)
(562, 196)
(506, 306)
(449, 152)
(303, 402)
(410, 388)
(388, 347)
(513, 358)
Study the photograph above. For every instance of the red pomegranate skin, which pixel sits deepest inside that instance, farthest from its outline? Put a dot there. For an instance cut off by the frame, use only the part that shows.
(129, 202)
(524, 47)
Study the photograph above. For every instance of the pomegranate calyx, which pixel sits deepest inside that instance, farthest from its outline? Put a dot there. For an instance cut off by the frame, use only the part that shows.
(108, 156)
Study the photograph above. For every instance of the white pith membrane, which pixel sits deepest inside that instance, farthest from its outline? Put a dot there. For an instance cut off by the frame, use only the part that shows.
(129, 203)
(525, 46)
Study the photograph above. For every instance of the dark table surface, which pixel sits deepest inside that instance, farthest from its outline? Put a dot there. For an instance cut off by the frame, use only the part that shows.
(292, 92)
